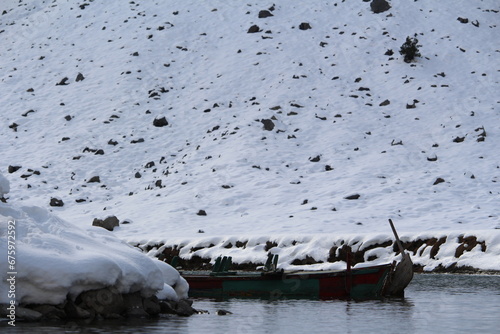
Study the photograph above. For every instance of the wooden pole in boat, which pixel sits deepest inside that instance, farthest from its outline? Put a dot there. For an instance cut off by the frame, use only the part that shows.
(400, 246)
(403, 272)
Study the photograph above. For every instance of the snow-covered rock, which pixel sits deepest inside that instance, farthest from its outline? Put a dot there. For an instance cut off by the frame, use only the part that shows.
(55, 259)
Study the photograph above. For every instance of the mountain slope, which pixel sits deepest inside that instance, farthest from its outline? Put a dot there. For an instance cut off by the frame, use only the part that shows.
(323, 89)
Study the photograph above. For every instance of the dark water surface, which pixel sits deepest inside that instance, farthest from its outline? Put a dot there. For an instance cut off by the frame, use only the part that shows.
(436, 303)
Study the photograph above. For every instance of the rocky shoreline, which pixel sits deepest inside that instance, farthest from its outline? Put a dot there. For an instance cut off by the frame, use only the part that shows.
(442, 253)
(105, 303)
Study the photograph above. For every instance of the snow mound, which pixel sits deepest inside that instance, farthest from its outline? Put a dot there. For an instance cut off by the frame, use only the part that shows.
(55, 259)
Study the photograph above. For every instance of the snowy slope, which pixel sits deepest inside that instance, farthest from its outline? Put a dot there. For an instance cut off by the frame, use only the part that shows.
(195, 64)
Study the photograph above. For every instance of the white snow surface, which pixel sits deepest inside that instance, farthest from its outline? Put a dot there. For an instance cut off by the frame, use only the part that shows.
(54, 259)
(195, 64)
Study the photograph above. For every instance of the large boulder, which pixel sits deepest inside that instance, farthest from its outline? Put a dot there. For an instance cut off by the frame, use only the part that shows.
(379, 6)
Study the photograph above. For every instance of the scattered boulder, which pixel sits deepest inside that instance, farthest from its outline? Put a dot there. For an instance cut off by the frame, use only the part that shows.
(379, 6)
(56, 202)
(353, 197)
(463, 20)
(27, 113)
(438, 181)
(315, 159)
(432, 158)
(253, 29)
(481, 134)
(385, 103)
(305, 26)
(268, 124)
(109, 223)
(265, 13)
(94, 179)
(13, 169)
(14, 126)
(412, 105)
(201, 213)
(136, 141)
(79, 77)
(63, 82)
(160, 122)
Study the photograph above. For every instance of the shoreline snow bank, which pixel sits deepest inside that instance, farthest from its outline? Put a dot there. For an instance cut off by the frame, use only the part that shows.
(437, 251)
(55, 259)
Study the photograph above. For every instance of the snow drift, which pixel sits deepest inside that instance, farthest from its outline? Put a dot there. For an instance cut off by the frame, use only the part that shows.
(54, 259)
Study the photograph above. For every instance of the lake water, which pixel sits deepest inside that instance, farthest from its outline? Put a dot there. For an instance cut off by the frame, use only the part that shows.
(436, 303)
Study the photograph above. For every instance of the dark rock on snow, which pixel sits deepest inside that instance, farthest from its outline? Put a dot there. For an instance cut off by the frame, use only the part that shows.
(379, 6)
(159, 122)
(353, 197)
(13, 169)
(265, 13)
(305, 26)
(63, 82)
(253, 29)
(94, 179)
(109, 223)
(14, 126)
(438, 181)
(385, 103)
(56, 202)
(268, 124)
(79, 77)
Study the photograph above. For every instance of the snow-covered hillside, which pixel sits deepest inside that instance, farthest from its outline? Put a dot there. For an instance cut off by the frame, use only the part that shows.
(175, 116)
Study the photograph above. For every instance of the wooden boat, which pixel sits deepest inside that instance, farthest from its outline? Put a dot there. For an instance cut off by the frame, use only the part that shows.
(352, 283)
